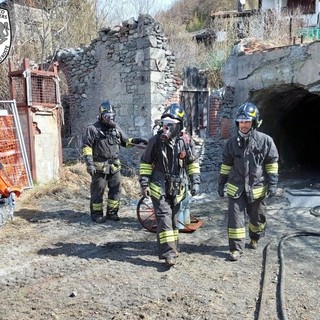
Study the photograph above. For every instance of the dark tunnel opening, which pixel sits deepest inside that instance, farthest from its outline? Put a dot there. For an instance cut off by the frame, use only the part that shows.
(291, 116)
(301, 135)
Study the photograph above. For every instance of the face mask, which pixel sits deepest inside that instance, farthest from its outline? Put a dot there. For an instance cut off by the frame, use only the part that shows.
(108, 119)
(170, 129)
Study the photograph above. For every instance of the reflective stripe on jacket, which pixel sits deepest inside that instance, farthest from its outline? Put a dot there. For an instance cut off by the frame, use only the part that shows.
(163, 170)
(249, 166)
(103, 143)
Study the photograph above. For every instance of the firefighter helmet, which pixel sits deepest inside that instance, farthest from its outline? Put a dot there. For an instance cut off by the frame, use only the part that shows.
(107, 114)
(172, 121)
(248, 112)
(174, 111)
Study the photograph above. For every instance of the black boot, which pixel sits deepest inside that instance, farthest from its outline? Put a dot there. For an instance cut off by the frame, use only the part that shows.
(98, 217)
(112, 214)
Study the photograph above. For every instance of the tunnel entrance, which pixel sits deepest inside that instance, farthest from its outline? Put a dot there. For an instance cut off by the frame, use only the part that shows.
(291, 116)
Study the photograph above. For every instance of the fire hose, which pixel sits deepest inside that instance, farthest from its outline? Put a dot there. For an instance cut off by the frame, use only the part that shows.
(282, 308)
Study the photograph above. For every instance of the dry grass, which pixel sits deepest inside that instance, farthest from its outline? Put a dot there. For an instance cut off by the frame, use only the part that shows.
(74, 182)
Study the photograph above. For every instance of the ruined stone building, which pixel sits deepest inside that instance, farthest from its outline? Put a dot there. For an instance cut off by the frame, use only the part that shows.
(132, 66)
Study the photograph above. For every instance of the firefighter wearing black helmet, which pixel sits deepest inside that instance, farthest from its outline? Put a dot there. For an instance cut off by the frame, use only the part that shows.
(249, 170)
(100, 150)
(167, 165)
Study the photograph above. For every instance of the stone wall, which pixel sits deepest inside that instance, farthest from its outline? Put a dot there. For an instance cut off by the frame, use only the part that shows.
(131, 66)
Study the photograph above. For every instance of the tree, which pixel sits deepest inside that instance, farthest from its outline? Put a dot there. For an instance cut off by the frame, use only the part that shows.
(119, 10)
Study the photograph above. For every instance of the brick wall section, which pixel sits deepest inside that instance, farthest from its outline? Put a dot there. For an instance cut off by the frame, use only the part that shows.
(221, 114)
(226, 128)
(215, 105)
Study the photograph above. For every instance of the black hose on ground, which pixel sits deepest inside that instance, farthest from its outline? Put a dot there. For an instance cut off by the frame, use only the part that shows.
(283, 313)
(282, 307)
(265, 273)
(315, 211)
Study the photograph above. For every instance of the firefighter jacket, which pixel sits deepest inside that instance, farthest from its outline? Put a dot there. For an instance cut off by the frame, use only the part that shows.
(101, 146)
(167, 166)
(249, 165)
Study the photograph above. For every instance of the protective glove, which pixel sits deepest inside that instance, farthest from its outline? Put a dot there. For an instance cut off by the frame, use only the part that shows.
(195, 189)
(145, 191)
(272, 191)
(140, 140)
(91, 169)
(221, 190)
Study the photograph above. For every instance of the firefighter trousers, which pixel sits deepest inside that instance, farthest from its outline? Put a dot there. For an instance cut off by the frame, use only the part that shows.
(237, 211)
(97, 189)
(167, 231)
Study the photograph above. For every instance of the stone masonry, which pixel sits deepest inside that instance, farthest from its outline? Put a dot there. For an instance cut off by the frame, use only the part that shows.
(131, 66)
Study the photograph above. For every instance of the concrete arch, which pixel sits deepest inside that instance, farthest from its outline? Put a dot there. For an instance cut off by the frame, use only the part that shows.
(284, 83)
(291, 116)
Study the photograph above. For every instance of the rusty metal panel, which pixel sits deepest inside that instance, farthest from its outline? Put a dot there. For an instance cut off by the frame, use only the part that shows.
(23, 116)
(19, 93)
(38, 99)
(43, 90)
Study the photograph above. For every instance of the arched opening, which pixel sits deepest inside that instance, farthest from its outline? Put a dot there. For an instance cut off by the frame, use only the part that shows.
(291, 116)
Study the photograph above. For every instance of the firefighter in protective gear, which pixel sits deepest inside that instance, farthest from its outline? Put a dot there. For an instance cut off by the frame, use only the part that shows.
(100, 150)
(249, 170)
(167, 165)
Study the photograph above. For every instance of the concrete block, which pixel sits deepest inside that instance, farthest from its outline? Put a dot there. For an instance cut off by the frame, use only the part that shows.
(308, 198)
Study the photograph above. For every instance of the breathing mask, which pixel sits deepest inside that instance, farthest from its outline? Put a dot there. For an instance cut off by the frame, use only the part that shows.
(170, 128)
(108, 119)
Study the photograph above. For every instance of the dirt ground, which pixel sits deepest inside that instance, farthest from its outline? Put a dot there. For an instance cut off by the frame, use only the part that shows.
(57, 264)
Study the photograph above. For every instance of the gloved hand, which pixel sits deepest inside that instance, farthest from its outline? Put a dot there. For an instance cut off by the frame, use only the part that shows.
(195, 189)
(221, 190)
(145, 191)
(140, 140)
(272, 191)
(91, 169)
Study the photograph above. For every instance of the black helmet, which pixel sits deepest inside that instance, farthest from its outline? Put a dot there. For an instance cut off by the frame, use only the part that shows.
(107, 114)
(248, 112)
(174, 111)
(172, 121)
(106, 107)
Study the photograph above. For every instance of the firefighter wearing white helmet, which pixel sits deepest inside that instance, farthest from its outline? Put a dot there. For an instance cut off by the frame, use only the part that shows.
(100, 150)
(167, 165)
(249, 170)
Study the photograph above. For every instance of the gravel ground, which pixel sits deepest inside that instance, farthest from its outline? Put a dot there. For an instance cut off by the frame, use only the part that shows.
(57, 264)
